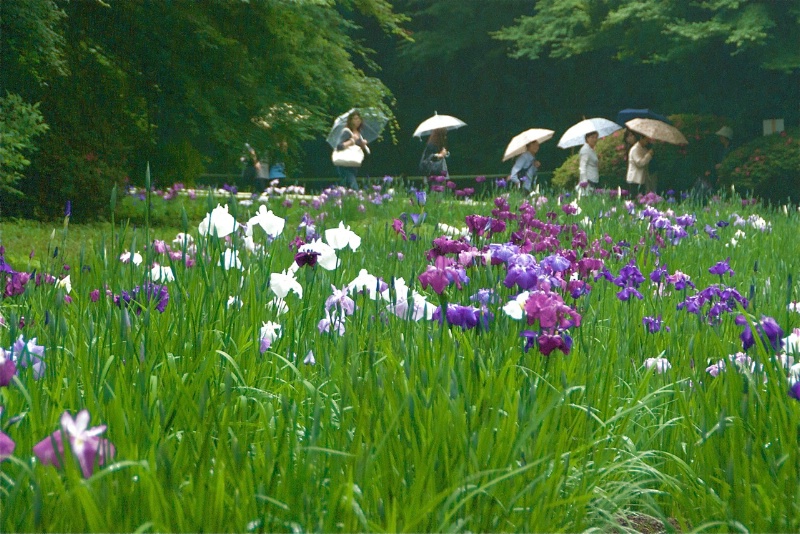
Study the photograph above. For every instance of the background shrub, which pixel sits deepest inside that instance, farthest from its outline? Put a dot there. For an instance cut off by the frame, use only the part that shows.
(768, 166)
(20, 123)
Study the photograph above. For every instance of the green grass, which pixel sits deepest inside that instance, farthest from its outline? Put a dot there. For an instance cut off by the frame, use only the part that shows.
(400, 426)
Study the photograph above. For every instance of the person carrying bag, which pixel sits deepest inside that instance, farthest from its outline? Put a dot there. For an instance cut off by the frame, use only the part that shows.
(350, 150)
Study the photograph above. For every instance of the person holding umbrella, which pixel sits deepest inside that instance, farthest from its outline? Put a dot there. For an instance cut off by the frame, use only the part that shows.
(524, 147)
(639, 163)
(433, 161)
(351, 136)
(523, 173)
(589, 164)
(639, 156)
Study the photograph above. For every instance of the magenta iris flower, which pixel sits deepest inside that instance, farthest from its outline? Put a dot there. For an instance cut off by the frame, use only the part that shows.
(7, 367)
(86, 445)
(443, 273)
(7, 445)
(547, 342)
(550, 311)
(397, 226)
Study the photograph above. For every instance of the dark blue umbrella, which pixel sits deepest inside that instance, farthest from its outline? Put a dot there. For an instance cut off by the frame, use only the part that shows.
(627, 114)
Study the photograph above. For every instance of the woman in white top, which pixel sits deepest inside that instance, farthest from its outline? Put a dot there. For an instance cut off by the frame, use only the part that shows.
(589, 164)
(638, 161)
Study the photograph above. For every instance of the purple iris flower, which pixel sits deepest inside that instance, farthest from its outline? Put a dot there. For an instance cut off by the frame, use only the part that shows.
(711, 231)
(653, 324)
(418, 218)
(309, 257)
(685, 220)
(522, 271)
(629, 275)
(467, 317)
(15, 284)
(485, 297)
(29, 354)
(661, 222)
(556, 263)
(502, 252)
(143, 295)
(768, 330)
(722, 267)
(501, 183)
(794, 391)
(722, 224)
(627, 292)
(676, 233)
(658, 274)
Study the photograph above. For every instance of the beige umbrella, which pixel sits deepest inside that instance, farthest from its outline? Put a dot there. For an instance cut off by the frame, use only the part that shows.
(657, 130)
(518, 145)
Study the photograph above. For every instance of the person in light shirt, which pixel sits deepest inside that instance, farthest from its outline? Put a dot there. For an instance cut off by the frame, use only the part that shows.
(525, 167)
(638, 164)
(589, 164)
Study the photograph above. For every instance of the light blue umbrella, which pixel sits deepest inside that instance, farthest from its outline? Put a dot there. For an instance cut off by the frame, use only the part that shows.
(576, 134)
(373, 121)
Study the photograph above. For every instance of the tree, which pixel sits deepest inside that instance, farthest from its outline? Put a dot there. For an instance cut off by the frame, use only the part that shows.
(763, 31)
(31, 52)
(180, 83)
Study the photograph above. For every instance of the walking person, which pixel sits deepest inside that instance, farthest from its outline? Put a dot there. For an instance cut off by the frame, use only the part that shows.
(523, 173)
(589, 166)
(434, 157)
(351, 136)
(639, 159)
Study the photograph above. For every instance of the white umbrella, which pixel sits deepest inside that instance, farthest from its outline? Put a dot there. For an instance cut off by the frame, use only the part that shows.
(519, 144)
(372, 122)
(437, 122)
(576, 134)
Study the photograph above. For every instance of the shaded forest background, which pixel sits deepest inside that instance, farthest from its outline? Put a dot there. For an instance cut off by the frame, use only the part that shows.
(91, 92)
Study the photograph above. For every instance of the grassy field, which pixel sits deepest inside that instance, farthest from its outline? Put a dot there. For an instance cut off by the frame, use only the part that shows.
(429, 407)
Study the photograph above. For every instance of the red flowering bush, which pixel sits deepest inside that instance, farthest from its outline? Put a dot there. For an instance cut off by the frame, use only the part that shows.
(768, 166)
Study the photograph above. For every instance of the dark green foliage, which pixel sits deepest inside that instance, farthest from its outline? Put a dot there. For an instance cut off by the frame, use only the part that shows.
(681, 167)
(655, 32)
(20, 124)
(768, 166)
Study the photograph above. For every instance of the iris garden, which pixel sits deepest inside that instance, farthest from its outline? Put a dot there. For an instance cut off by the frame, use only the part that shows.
(401, 359)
